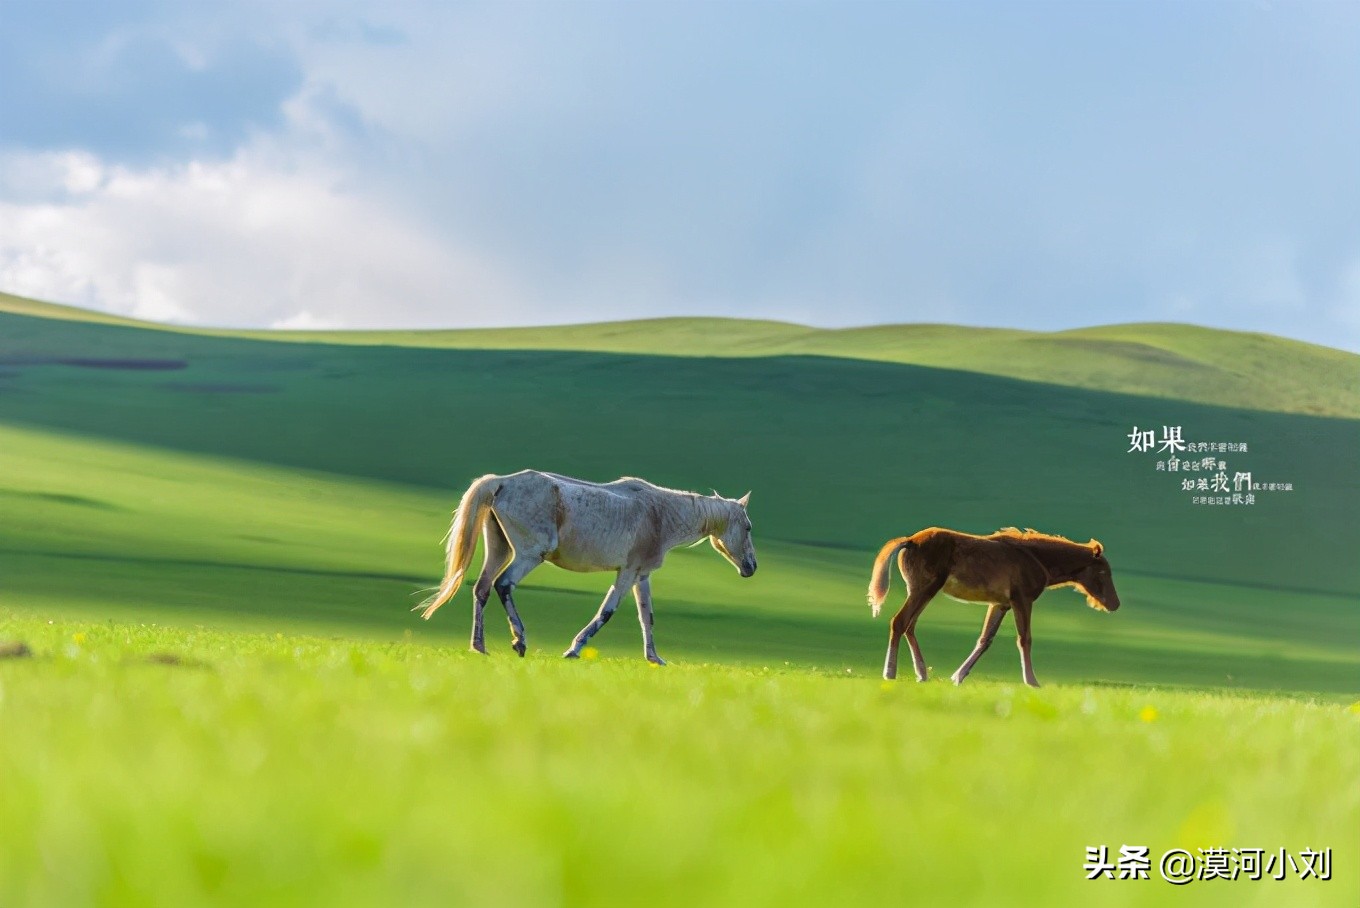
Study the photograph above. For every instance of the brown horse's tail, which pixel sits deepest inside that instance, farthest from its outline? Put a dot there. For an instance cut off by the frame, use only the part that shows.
(467, 523)
(882, 575)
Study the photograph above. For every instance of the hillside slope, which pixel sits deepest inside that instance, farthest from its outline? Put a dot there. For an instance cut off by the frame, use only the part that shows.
(1182, 362)
(1178, 362)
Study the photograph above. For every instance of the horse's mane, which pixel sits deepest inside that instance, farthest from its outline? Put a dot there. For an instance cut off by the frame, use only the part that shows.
(712, 510)
(653, 487)
(650, 486)
(1029, 535)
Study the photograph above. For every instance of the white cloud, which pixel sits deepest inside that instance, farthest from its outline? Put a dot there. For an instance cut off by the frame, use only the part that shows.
(305, 321)
(34, 177)
(259, 239)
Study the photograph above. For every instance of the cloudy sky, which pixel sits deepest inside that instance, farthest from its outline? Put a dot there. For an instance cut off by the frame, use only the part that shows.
(1038, 165)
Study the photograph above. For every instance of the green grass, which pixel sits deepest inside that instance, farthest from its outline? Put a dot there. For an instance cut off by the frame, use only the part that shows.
(245, 489)
(20, 305)
(1181, 362)
(1173, 361)
(297, 770)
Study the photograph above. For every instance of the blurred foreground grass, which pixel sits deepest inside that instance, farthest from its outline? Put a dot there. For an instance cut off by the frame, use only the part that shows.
(148, 765)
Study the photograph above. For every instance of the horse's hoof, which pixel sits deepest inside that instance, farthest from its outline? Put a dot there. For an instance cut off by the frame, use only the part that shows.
(571, 654)
(520, 648)
(656, 660)
(956, 679)
(477, 649)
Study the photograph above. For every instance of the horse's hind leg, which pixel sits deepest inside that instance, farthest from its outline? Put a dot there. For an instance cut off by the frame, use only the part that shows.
(989, 626)
(611, 602)
(480, 593)
(497, 554)
(1023, 639)
(530, 538)
(904, 624)
(505, 586)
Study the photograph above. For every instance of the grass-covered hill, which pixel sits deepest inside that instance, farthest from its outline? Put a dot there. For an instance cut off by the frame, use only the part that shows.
(1179, 362)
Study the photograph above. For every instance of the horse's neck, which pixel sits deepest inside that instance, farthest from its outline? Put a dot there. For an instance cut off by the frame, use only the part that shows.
(695, 518)
(1062, 560)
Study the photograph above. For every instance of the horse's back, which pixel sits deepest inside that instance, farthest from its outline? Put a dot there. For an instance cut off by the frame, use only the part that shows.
(555, 484)
(625, 485)
(974, 567)
(580, 508)
(938, 546)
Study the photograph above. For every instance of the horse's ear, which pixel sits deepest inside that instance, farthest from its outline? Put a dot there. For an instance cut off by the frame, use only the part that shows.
(1097, 549)
(744, 500)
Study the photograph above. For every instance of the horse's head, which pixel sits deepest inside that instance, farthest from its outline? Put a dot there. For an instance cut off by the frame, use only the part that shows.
(1097, 582)
(733, 539)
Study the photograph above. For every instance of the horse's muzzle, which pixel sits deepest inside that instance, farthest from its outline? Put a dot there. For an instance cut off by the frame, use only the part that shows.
(748, 567)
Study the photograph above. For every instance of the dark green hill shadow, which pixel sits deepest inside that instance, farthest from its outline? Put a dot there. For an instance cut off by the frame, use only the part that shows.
(835, 449)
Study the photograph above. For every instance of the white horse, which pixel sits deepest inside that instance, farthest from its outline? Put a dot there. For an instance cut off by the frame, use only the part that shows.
(626, 526)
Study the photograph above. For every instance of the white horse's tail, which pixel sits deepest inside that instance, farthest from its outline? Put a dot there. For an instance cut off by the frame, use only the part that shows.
(467, 523)
(881, 577)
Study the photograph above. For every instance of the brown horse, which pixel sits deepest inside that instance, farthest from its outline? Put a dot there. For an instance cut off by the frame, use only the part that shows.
(1008, 570)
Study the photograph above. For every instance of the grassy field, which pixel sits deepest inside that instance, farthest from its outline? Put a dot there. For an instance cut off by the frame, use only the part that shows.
(1178, 362)
(211, 544)
(147, 765)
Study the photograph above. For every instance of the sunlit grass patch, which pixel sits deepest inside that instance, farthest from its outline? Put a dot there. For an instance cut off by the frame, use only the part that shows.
(281, 769)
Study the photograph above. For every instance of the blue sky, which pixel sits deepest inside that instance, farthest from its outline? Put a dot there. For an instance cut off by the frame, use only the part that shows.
(1034, 165)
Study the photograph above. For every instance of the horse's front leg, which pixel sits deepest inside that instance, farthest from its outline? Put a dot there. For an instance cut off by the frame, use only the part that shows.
(642, 592)
(1023, 639)
(990, 624)
(607, 607)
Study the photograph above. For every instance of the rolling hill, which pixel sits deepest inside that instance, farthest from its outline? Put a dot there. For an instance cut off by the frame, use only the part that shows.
(1179, 362)
(218, 477)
